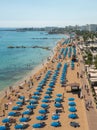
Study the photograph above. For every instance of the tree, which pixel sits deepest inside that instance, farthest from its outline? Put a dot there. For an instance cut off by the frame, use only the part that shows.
(95, 61)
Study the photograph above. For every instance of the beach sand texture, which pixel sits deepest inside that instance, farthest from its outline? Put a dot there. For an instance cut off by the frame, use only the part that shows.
(71, 78)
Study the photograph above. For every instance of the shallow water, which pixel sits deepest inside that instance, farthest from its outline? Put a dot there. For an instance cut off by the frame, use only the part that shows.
(16, 63)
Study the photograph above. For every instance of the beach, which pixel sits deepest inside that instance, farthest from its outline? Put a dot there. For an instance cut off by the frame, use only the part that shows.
(27, 89)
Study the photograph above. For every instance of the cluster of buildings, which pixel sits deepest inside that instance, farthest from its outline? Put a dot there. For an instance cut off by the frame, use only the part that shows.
(92, 73)
(87, 27)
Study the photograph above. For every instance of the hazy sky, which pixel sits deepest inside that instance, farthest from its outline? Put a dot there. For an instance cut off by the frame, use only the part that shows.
(37, 13)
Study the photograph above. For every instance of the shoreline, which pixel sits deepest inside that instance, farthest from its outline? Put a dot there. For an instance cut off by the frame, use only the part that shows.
(31, 73)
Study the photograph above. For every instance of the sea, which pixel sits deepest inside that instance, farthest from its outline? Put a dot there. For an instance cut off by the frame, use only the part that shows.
(16, 63)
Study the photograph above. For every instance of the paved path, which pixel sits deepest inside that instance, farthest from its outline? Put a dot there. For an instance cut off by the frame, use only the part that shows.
(91, 112)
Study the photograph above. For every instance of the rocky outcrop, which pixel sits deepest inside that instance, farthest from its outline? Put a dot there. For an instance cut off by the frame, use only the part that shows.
(46, 48)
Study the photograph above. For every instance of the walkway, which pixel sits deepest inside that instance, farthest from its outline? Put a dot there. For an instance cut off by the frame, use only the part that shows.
(91, 113)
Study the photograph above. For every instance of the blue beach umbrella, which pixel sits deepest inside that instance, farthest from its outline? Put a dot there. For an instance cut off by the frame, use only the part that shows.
(48, 92)
(47, 96)
(73, 116)
(41, 117)
(11, 113)
(6, 120)
(49, 89)
(71, 99)
(3, 128)
(24, 119)
(55, 124)
(19, 103)
(59, 95)
(16, 108)
(45, 100)
(42, 111)
(37, 93)
(33, 101)
(39, 89)
(27, 112)
(72, 104)
(58, 105)
(58, 99)
(19, 126)
(38, 125)
(35, 97)
(44, 105)
(31, 106)
(72, 109)
(55, 117)
(21, 97)
(51, 85)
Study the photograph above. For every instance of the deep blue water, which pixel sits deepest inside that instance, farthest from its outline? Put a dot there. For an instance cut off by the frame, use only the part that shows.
(16, 63)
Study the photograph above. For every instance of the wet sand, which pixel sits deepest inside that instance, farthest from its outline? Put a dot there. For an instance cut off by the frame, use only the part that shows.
(71, 77)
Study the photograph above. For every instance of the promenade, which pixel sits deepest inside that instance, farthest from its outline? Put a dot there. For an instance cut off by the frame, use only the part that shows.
(91, 112)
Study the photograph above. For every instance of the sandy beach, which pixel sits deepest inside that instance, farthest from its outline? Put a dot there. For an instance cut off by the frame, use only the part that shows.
(28, 90)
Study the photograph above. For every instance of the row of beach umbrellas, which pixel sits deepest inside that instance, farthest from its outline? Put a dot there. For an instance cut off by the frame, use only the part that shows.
(63, 76)
(72, 108)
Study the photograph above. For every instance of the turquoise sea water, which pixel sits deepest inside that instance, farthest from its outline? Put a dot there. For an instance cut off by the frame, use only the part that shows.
(16, 63)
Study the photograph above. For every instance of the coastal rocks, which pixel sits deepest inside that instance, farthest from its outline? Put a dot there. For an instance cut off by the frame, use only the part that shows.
(46, 48)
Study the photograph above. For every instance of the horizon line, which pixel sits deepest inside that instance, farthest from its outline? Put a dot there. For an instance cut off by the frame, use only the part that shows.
(47, 26)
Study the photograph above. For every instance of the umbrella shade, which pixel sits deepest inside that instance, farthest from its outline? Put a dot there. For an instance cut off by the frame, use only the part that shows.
(6, 120)
(39, 89)
(47, 96)
(3, 128)
(73, 116)
(27, 112)
(21, 97)
(58, 99)
(51, 85)
(59, 95)
(11, 113)
(41, 117)
(72, 109)
(36, 93)
(71, 99)
(24, 119)
(42, 111)
(33, 102)
(50, 89)
(58, 105)
(55, 124)
(55, 117)
(45, 100)
(48, 92)
(72, 104)
(35, 97)
(19, 103)
(15, 108)
(19, 126)
(38, 125)
(44, 105)
(31, 106)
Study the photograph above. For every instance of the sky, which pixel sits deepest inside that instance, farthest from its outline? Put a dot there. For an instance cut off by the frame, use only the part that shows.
(40, 13)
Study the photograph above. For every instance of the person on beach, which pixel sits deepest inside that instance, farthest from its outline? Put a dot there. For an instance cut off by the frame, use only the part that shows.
(10, 88)
(3, 112)
(5, 93)
(77, 74)
(22, 115)
(30, 96)
(90, 103)
(25, 81)
(85, 86)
